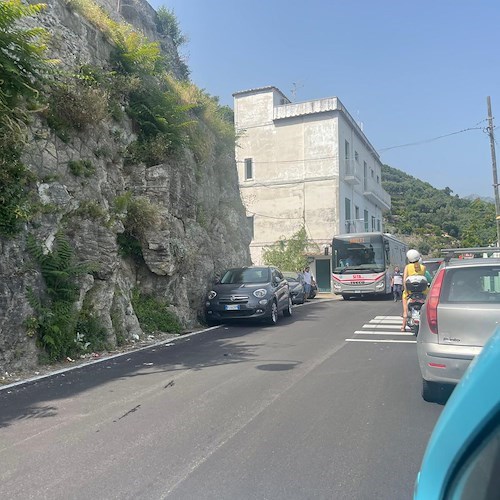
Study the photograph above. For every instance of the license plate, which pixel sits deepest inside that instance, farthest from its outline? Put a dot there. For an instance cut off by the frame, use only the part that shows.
(357, 291)
(232, 307)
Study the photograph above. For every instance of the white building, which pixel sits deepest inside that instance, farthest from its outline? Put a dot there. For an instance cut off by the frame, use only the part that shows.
(305, 164)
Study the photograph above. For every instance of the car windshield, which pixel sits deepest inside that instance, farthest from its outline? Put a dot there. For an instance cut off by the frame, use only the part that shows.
(432, 266)
(246, 275)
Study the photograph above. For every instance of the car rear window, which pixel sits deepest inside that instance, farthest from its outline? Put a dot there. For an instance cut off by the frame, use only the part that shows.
(473, 285)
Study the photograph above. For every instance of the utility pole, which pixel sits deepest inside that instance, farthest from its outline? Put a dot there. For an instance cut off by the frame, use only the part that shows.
(494, 165)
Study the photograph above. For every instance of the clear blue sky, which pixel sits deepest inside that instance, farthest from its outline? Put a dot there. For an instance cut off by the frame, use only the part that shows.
(409, 70)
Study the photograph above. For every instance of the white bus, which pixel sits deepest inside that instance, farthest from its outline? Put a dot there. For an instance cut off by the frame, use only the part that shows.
(362, 263)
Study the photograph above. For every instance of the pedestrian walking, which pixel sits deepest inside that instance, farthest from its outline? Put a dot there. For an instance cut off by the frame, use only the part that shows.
(397, 284)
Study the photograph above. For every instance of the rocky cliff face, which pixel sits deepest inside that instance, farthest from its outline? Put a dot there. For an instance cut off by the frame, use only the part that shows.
(200, 225)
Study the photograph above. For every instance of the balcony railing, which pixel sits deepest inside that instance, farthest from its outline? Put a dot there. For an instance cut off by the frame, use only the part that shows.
(352, 172)
(376, 194)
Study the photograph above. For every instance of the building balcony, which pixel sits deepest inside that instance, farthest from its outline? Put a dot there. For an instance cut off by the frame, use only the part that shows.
(352, 173)
(376, 194)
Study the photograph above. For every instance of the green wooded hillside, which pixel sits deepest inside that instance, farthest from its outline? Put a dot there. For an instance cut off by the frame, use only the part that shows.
(432, 218)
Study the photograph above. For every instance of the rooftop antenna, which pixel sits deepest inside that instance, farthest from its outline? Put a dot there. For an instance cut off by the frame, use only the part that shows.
(361, 125)
(295, 86)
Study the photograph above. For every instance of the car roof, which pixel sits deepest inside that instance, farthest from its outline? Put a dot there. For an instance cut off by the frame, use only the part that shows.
(433, 259)
(471, 407)
(248, 267)
(472, 262)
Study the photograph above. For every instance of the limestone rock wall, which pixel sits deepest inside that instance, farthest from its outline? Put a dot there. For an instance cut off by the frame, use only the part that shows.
(181, 255)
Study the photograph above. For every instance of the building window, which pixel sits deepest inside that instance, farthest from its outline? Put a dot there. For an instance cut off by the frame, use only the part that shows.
(356, 213)
(373, 223)
(378, 179)
(248, 168)
(347, 151)
(348, 209)
(250, 223)
(365, 217)
(348, 214)
(373, 173)
(378, 225)
(356, 156)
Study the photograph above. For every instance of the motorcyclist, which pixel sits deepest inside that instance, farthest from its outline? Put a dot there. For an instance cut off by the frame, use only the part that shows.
(414, 267)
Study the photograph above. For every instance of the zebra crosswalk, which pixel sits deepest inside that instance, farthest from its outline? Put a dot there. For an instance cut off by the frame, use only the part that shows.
(383, 329)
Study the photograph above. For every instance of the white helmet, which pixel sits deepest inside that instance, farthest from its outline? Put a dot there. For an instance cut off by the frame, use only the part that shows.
(412, 255)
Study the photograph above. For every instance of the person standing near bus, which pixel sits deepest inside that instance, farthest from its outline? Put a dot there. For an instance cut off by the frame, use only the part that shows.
(397, 284)
(308, 281)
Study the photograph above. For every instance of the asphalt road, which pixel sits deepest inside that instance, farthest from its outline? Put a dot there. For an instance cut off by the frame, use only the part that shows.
(294, 411)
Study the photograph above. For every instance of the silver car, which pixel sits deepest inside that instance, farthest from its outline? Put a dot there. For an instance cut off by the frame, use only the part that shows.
(460, 314)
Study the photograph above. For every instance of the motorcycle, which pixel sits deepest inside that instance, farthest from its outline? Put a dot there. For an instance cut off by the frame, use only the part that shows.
(415, 286)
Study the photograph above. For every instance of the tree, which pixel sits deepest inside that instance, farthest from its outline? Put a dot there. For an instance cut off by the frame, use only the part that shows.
(291, 254)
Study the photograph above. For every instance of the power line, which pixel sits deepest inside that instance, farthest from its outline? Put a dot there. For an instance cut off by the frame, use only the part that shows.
(432, 139)
(332, 157)
(272, 217)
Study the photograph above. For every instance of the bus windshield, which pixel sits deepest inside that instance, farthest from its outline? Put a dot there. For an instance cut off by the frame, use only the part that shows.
(364, 253)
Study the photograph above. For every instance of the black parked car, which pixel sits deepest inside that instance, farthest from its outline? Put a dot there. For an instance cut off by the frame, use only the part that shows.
(249, 293)
(296, 284)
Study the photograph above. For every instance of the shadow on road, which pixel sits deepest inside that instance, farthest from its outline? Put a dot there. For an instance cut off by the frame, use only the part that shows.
(221, 346)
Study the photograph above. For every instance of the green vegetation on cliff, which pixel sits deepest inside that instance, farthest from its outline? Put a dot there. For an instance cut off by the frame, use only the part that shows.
(434, 218)
(22, 68)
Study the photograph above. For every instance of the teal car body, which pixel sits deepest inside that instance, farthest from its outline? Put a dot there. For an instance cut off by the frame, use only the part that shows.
(462, 459)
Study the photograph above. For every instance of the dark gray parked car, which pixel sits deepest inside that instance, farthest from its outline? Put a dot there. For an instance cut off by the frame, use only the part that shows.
(296, 284)
(257, 293)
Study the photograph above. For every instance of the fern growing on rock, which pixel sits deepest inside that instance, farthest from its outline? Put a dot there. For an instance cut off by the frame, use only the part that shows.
(56, 311)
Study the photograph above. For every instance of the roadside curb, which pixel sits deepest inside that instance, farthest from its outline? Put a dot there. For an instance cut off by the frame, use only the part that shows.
(105, 358)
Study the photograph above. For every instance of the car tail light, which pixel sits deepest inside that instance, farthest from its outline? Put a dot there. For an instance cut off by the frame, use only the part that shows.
(433, 301)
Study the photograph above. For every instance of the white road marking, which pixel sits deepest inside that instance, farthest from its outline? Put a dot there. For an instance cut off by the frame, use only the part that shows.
(378, 341)
(375, 332)
(386, 321)
(384, 325)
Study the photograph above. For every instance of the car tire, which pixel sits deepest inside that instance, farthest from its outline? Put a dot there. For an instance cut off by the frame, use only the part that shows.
(287, 312)
(430, 391)
(273, 316)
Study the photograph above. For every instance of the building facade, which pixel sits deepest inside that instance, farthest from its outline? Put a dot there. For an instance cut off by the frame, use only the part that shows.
(305, 164)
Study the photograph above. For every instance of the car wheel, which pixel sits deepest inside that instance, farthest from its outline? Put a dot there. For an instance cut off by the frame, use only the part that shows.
(430, 391)
(273, 317)
(287, 312)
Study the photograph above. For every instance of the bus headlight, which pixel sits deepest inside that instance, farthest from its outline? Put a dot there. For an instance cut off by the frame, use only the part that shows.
(337, 286)
(380, 285)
